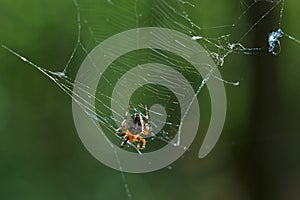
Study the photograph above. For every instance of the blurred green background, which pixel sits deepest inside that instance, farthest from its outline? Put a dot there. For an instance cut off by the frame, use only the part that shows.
(42, 157)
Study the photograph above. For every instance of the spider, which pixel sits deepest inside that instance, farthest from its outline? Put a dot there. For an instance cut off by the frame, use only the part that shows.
(133, 130)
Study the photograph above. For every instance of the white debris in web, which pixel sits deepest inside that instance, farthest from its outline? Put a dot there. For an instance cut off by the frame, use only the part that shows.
(274, 41)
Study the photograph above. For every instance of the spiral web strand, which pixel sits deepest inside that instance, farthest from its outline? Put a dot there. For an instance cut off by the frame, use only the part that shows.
(161, 13)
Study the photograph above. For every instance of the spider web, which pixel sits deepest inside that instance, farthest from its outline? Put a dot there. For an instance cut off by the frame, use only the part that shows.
(98, 20)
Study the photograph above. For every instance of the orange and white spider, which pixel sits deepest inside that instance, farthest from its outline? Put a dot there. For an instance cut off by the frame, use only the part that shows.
(134, 129)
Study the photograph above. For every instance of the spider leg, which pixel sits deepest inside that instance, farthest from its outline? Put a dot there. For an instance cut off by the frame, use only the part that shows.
(119, 133)
(146, 130)
(124, 142)
(124, 124)
(138, 143)
(144, 143)
(140, 139)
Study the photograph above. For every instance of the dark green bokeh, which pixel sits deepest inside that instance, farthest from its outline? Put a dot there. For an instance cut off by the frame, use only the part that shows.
(42, 157)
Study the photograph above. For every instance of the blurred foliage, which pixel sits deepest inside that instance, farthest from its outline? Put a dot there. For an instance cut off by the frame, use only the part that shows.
(42, 157)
